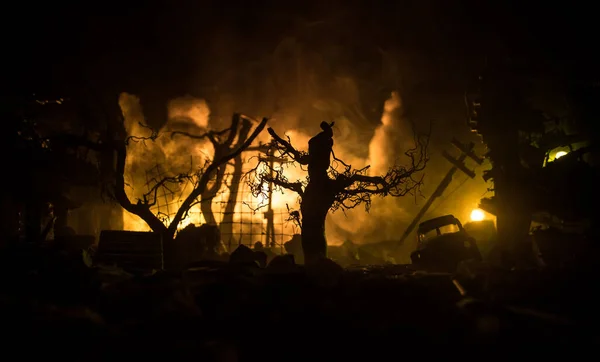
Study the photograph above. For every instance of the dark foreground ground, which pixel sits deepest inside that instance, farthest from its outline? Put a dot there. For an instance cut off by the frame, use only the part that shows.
(53, 306)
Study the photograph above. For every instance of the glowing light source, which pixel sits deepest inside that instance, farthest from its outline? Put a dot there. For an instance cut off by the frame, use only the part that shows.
(559, 154)
(477, 215)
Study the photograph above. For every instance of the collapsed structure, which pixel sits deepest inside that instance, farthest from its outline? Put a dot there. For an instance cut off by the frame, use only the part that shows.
(544, 168)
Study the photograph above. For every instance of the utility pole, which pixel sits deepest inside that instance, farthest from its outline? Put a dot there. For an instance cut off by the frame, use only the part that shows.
(269, 214)
(458, 164)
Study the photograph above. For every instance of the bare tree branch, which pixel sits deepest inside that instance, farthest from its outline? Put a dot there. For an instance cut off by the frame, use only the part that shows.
(207, 175)
(158, 184)
(287, 148)
(152, 137)
(241, 128)
(141, 209)
(212, 136)
(264, 174)
(351, 187)
(279, 181)
(113, 150)
(358, 187)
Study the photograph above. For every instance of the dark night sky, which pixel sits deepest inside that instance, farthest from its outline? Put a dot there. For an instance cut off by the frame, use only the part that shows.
(165, 49)
(172, 33)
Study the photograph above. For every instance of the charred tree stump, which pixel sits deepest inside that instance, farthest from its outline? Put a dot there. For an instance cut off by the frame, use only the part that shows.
(318, 199)
(227, 221)
(318, 195)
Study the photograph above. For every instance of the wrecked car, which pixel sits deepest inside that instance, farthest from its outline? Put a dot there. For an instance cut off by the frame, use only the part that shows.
(442, 243)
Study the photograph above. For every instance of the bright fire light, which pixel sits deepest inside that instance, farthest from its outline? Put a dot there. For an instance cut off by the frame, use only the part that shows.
(477, 215)
(559, 154)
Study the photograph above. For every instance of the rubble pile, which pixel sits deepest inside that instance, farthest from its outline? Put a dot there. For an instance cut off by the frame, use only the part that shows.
(240, 311)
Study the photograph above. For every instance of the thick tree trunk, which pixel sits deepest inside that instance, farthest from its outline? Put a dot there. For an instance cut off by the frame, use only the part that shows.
(318, 196)
(206, 208)
(316, 202)
(314, 242)
(227, 222)
(209, 194)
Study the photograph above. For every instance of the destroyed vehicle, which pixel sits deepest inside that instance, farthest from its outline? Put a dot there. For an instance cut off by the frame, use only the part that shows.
(442, 243)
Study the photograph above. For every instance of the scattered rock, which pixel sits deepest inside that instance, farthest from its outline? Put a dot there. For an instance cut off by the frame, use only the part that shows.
(261, 258)
(325, 271)
(282, 264)
(243, 255)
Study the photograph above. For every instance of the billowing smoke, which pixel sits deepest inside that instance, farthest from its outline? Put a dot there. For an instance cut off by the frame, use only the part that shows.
(189, 111)
(384, 146)
(148, 161)
(390, 140)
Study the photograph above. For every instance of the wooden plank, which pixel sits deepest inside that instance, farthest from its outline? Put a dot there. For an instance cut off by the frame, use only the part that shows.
(130, 236)
(130, 249)
(125, 248)
(123, 261)
(128, 240)
(127, 252)
(130, 256)
(129, 266)
(134, 248)
(119, 253)
(151, 263)
(141, 241)
(460, 165)
(128, 233)
(119, 246)
(467, 150)
(121, 242)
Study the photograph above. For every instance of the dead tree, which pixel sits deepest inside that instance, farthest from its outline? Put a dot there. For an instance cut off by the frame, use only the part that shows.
(240, 126)
(234, 186)
(112, 150)
(223, 154)
(226, 147)
(328, 189)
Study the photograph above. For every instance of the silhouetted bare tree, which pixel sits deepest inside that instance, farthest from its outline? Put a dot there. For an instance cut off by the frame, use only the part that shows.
(240, 126)
(328, 189)
(112, 151)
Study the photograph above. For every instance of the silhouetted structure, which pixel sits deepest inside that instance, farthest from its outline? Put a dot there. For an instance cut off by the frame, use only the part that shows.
(528, 176)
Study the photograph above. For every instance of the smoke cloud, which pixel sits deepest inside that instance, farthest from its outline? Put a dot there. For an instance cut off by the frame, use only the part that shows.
(147, 161)
(391, 139)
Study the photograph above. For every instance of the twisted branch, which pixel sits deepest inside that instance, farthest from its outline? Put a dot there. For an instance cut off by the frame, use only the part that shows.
(286, 148)
(352, 187)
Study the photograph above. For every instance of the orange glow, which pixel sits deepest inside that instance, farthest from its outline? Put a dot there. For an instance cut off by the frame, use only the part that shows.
(180, 154)
(477, 215)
